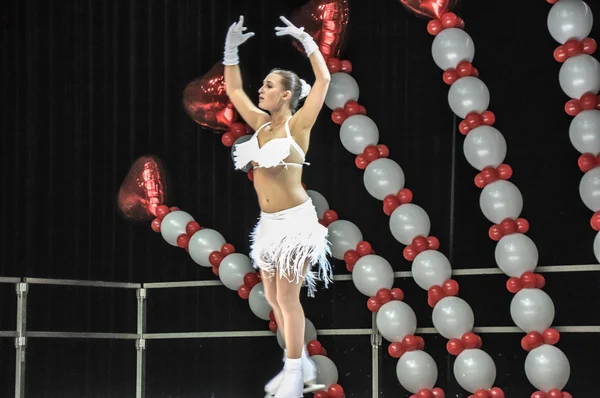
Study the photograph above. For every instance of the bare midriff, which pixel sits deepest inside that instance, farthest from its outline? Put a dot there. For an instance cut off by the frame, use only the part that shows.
(279, 188)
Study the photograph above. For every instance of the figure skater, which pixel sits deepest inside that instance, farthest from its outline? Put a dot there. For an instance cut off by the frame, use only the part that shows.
(288, 244)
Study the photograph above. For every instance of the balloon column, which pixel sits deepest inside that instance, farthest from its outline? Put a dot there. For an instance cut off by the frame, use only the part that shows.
(570, 23)
(532, 310)
(373, 276)
(383, 178)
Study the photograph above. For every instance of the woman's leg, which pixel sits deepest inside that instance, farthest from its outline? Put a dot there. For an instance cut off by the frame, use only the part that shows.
(288, 299)
(270, 286)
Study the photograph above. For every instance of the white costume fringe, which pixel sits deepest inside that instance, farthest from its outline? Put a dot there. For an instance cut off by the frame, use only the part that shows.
(286, 240)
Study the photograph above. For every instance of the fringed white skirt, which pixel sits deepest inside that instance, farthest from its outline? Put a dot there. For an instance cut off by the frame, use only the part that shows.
(285, 242)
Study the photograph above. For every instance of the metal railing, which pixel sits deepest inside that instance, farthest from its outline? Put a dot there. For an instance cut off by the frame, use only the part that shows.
(21, 335)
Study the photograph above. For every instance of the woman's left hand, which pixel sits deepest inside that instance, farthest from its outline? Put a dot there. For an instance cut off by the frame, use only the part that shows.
(298, 33)
(290, 29)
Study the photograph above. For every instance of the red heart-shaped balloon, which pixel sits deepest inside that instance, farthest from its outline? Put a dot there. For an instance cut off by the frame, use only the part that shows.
(143, 189)
(326, 22)
(206, 101)
(430, 8)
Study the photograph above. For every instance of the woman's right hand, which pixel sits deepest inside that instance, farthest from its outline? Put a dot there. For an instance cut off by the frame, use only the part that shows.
(235, 37)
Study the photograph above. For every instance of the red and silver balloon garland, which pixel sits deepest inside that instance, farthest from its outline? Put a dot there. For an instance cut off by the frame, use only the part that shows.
(208, 248)
(384, 179)
(546, 366)
(570, 23)
(373, 276)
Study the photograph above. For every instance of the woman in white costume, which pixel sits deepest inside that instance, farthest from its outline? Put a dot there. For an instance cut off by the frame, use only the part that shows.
(288, 245)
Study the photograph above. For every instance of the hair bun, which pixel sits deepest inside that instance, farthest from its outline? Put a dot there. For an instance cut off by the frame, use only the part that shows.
(305, 88)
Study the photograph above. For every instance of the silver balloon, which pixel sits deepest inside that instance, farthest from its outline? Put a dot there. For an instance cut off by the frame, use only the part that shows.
(452, 46)
(453, 317)
(468, 94)
(203, 243)
(258, 302)
(547, 367)
(343, 236)
(429, 268)
(240, 140)
(416, 370)
(584, 131)
(516, 254)
(319, 201)
(484, 146)
(395, 319)
(233, 268)
(570, 19)
(342, 88)
(327, 372)
(532, 310)
(371, 273)
(597, 247)
(310, 333)
(358, 132)
(499, 200)
(475, 369)
(409, 221)
(580, 75)
(589, 189)
(174, 225)
(383, 177)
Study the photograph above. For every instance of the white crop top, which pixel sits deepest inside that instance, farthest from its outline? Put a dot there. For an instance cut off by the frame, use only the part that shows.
(271, 154)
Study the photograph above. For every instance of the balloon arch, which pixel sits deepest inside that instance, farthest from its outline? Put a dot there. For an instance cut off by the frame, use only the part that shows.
(532, 310)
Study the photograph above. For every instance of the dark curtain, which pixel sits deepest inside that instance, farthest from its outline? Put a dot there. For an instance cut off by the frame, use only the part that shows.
(87, 87)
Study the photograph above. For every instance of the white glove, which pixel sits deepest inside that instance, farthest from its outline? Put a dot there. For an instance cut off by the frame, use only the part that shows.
(235, 37)
(298, 33)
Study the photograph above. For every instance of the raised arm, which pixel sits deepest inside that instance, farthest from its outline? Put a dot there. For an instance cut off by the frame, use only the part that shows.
(307, 115)
(251, 114)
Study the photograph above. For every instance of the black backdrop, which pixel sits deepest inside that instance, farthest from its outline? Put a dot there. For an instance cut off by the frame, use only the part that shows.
(87, 87)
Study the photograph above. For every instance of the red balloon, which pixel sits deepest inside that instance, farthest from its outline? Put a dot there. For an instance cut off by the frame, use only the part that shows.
(410, 342)
(397, 294)
(227, 249)
(384, 295)
(314, 346)
(429, 8)
(438, 393)
(335, 391)
(143, 189)
(321, 394)
(450, 287)
(470, 340)
(496, 392)
(183, 240)
(156, 225)
(425, 393)
(551, 336)
(244, 292)
(351, 257)
(405, 195)
(454, 346)
(192, 227)
(396, 350)
(373, 304)
(206, 102)
(554, 393)
(273, 326)
(250, 280)
(326, 22)
(363, 248)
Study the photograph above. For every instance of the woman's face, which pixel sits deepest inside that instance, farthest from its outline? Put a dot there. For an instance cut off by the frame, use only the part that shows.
(271, 95)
